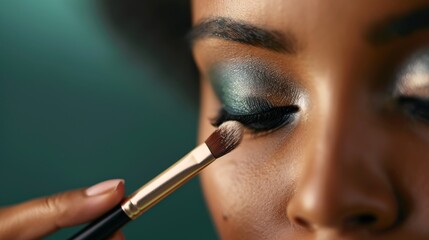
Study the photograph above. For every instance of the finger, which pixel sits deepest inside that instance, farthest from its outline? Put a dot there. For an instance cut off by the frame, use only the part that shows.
(39, 217)
(117, 236)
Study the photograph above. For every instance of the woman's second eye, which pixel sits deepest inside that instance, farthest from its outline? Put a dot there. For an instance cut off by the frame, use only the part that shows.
(415, 106)
(270, 119)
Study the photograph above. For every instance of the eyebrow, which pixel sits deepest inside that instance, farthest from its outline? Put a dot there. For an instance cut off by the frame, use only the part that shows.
(399, 27)
(241, 32)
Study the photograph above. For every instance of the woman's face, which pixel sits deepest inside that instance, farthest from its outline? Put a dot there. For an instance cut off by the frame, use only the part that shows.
(335, 99)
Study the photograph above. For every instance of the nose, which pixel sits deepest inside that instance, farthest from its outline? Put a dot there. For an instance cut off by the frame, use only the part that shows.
(343, 184)
(343, 201)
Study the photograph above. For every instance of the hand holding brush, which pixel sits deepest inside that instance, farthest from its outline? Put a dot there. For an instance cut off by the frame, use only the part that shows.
(226, 138)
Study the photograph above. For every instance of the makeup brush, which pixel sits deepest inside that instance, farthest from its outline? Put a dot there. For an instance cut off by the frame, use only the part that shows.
(222, 141)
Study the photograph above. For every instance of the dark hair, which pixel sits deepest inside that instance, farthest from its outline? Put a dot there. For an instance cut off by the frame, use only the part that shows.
(157, 29)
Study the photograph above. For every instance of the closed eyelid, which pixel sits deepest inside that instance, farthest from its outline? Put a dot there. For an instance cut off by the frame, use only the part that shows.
(237, 85)
(413, 75)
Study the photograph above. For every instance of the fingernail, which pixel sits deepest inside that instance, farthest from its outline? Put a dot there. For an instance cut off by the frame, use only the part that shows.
(104, 187)
(117, 236)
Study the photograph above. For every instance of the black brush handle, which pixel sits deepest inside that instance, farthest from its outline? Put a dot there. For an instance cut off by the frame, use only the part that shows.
(103, 227)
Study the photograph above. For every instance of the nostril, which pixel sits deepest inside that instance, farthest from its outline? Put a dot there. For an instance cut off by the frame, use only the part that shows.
(366, 219)
(361, 220)
(302, 222)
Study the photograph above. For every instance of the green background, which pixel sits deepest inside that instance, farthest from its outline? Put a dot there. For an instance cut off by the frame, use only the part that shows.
(76, 110)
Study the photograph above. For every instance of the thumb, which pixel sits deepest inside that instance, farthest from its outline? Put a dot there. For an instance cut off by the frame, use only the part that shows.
(40, 217)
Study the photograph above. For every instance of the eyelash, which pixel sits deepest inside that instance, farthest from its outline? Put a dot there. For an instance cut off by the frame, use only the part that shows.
(276, 117)
(265, 121)
(415, 106)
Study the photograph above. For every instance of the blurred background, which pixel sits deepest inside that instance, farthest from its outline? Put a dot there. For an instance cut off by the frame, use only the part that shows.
(94, 90)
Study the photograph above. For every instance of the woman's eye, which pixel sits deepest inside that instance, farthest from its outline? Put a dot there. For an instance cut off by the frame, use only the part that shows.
(415, 106)
(268, 120)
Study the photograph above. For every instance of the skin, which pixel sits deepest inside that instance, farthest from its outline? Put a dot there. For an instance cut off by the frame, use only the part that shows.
(36, 219)
(353, 162)
(350, 164)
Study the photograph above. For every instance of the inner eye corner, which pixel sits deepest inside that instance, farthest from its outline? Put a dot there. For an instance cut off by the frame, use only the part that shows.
(413, 106)
(293, 109)
(296, 108)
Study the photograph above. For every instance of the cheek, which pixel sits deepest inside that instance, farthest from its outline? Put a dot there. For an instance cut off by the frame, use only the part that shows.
(408, 165)
(248, 190)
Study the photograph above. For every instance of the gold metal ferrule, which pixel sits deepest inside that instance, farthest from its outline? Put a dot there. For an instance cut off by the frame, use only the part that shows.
(168, 181)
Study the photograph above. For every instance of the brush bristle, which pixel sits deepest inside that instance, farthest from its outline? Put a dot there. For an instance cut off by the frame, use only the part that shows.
(225, 139)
